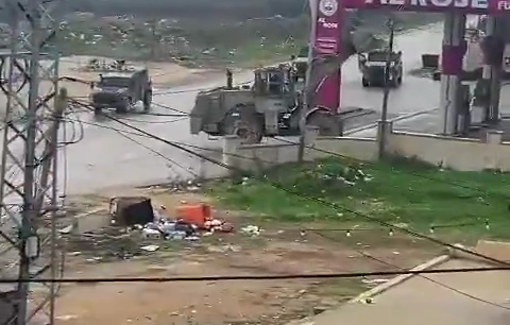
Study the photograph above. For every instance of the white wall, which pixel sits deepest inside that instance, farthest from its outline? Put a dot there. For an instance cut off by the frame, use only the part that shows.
(456, 153)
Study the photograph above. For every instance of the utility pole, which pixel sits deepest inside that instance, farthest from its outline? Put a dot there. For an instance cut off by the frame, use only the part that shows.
(307, 101)
(495, 72)
(386, 94)
(28, 177)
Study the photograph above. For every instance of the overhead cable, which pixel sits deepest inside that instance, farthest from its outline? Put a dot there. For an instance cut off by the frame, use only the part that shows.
(316, 199)
(254, 277)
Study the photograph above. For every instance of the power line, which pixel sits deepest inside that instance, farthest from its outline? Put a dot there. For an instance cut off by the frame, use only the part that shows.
(159, 154)
(122, 132)
(348, 158)
(487, 191)
(332, 153)
(172, 109)
(460, 292)
(433, 227)
(33, 39)
(155, 122)
(314, 199)
(464, 186)
(364, 162)
(253, 277)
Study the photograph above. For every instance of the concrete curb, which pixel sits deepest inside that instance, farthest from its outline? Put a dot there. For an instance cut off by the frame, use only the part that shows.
(396, 119)
(377, 290)
(399, 279)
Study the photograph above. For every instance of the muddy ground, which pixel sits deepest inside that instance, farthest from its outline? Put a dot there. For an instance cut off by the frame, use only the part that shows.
(281, 248)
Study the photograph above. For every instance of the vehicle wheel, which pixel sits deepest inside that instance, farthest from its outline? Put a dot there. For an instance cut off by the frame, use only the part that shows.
(147, 101)
(124, 107)
(364, 82)
(97, 110)
(327, 123)
(244, 121)
(393, 83)
(121, 109)
(400, 80)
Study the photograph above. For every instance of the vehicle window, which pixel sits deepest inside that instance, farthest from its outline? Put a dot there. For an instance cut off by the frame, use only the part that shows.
(377, 57)
(114, 82)
(381, 57)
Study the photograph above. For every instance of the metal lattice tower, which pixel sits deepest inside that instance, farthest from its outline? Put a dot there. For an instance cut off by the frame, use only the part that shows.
(28, 178)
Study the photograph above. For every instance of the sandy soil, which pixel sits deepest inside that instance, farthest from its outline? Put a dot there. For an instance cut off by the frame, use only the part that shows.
(280, 249)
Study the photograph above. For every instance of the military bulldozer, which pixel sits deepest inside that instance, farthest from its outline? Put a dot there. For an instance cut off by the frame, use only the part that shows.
(270, 107)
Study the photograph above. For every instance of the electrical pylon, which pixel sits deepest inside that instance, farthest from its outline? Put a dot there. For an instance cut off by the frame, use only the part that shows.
(28, 177)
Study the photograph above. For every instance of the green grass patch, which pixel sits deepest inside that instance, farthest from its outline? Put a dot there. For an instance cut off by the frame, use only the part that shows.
(399, 191)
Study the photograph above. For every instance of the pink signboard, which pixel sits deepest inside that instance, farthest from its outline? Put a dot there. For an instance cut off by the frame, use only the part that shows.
(328, 40)
(480, 7)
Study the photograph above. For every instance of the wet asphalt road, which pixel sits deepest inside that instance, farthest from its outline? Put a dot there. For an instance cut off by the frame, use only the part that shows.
(107, 158)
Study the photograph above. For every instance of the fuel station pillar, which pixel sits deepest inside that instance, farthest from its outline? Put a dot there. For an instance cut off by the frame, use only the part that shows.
(453, 50)
(493, 48)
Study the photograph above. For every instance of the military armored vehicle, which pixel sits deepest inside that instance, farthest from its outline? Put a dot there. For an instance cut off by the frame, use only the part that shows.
(122, 90)
(270, 107)
(372, 66)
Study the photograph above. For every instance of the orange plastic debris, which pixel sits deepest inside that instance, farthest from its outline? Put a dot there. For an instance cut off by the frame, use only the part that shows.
(196, 214)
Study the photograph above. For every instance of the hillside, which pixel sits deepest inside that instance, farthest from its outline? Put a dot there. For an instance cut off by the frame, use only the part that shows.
(200, 33)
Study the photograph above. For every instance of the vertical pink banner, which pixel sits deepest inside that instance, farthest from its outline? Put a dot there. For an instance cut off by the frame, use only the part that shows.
(328, 40)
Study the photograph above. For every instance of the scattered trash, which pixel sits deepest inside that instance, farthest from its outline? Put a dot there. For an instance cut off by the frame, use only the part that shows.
(367, 301)
(223, 249)
(251, 230)
(149, 233)
(66, 317)
(319, 309)
(94, 259)
(226, 227)
(150, 248)
(176, 235)
(66, 230)
(128, 211)
(130, 235)
(197, 214)
(374, 282)
(191, 219)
